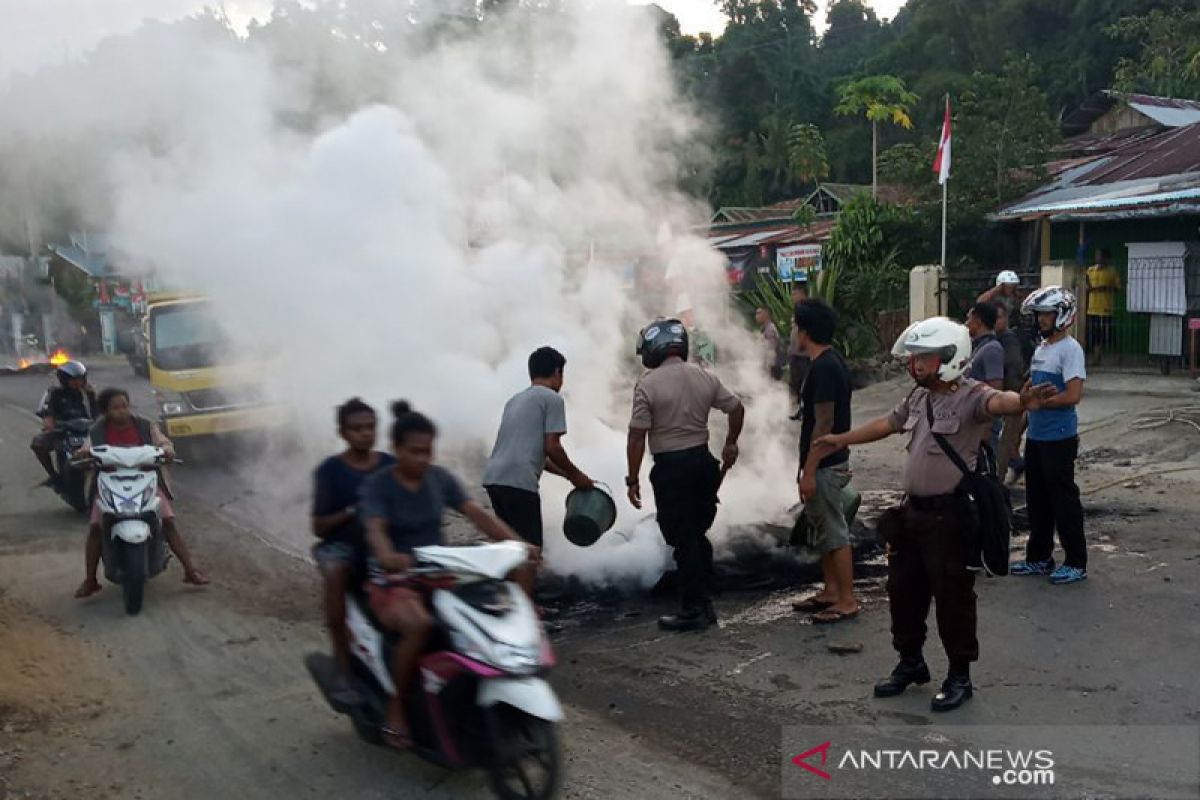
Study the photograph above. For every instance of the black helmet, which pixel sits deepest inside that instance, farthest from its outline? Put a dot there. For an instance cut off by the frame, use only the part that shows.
(661, 339)
(69, 371)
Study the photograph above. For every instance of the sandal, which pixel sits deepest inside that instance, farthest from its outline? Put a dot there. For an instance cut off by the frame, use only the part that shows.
(196, 578)
(396, 738)
(810, 604)
(830, 616)
(87, 589)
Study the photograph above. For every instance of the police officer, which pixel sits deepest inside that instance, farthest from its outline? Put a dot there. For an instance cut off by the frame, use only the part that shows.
(671, 404)
(924, 535)
(71, 399)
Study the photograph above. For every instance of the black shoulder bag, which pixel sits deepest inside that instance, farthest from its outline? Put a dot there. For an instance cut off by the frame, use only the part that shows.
(987, 507)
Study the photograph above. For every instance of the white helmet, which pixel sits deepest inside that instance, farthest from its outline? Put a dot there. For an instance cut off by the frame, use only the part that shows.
(1008, 278)
(949, 339)
(1052, 298)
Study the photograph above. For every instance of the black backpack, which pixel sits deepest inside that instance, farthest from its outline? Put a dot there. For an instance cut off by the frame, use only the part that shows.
(987, 507)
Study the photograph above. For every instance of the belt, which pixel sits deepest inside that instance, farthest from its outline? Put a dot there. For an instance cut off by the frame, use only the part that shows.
(933, 502)
(681, 455)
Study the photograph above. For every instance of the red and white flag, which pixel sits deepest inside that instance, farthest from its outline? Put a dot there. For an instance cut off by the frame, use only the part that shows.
(941, 164)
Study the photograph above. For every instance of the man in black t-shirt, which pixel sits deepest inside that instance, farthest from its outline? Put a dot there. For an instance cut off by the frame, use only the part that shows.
(825, 410)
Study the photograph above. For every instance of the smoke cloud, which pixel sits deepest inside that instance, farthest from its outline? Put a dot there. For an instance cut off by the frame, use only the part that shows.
(409, 215)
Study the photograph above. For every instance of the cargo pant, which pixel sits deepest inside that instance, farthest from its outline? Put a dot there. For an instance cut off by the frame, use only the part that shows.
(925, 563)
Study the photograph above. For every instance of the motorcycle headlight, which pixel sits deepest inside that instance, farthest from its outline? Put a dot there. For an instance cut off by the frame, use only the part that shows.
(127, 505)
(515, 659)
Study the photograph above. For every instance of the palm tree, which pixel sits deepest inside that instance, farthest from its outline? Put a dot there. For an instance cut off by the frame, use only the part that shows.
(884, 98)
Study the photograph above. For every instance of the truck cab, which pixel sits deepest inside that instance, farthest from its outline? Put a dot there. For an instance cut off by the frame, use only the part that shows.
(202, 384)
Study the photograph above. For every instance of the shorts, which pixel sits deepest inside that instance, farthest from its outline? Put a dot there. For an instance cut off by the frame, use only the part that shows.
(382, 595)
(828, 528)
(1100, 332)
(165, 509)
(331, 556)
(520, 510)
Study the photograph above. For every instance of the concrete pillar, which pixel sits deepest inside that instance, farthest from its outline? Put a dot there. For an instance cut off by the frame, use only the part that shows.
(1069, 276)
(925, 296)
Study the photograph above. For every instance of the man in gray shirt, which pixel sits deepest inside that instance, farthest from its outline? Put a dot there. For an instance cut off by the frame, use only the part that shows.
(530, 440)
(987, 358)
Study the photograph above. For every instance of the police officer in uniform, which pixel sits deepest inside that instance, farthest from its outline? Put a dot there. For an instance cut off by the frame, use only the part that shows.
(71, 399)
(671, 404)
(924, 536)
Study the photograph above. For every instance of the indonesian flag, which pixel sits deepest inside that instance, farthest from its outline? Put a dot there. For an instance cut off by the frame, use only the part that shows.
(941, 165)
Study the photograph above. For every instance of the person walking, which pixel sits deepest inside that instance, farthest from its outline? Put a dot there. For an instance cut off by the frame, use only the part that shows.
(671, 405)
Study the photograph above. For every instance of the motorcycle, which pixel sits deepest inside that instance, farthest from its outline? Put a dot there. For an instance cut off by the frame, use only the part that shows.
(72, 435)
(480, 699)
(133, 548)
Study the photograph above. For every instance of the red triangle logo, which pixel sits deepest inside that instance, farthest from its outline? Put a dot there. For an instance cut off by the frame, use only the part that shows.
(802, 760)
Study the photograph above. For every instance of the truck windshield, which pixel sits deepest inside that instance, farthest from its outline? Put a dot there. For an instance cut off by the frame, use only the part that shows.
(185, 336)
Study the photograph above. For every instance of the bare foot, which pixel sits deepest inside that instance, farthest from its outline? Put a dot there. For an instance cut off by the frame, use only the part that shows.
(196, 578)
(88, 588)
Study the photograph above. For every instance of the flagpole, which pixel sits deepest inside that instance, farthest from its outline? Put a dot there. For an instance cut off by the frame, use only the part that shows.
(945, 187)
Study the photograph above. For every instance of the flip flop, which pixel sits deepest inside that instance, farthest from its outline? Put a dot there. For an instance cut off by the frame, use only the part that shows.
(810, 604)
(87, 589)
(396, 738)
(829, 616)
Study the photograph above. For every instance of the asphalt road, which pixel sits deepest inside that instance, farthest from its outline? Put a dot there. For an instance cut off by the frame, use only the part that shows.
(206, 693)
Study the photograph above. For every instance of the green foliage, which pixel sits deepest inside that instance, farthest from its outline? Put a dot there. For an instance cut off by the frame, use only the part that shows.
(806, 152)
(804, 215)
(1168, 61)
(883, 98)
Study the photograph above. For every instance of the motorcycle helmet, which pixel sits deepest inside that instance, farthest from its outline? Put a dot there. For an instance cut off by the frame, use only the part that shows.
(1052, 298)
(1008, 278)
(69, 371)
(661, 339)
(950, 340)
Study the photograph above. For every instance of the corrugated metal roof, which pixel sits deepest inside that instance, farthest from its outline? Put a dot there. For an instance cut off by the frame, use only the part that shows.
(1169, 111)
(1151, 166)
(749, 239)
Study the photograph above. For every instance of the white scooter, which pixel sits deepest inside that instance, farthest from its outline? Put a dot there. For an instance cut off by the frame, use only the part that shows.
(133, 546)
(479, 699)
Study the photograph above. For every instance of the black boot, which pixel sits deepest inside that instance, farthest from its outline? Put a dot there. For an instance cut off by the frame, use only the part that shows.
(905, 673)
(956, 690)
(694, 618)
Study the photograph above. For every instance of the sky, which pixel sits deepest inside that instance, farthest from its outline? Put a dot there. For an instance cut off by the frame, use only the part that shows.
(702, 15)
(38, 32)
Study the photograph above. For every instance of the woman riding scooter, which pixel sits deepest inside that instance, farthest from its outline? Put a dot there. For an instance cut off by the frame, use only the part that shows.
(118, 426)
(401, 509)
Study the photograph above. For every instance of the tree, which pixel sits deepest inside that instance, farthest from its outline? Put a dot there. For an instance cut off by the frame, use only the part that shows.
(806, 153)
(1168, 62)
(883, 98)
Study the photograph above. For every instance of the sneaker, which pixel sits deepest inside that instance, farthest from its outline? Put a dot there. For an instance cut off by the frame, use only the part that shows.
(1032, 567)
(1065, 574)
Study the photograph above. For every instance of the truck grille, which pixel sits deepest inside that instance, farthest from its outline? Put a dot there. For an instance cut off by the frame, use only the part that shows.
(225, 397)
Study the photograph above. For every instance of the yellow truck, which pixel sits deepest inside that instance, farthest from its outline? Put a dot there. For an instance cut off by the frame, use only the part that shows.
(202, 385)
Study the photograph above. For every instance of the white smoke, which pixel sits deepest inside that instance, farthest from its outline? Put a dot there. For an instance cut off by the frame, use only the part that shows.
(450, 208)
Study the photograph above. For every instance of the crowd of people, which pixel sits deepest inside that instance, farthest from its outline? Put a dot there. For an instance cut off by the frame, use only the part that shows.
(974, 397)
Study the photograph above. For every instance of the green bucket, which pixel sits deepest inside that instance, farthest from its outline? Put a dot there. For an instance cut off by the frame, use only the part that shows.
(590, 512)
